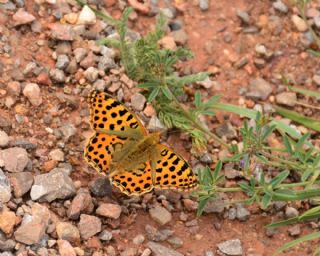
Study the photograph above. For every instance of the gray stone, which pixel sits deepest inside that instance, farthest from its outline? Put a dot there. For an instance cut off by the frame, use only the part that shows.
(226, 130)
(291, 212)
(89, 226)
(67, 131)
(91, 74)
(22, 17)
(287, 98)
(101, 187)
(208, 253)
(67, 231)
(232, 214)
(14, 159)
(160, 214)
(155, 124)
(160, 250)
(243, 16)
(180, 36)
(81, 203)
(62, 61)
(62, 32)
(259, 89)
(57, 155)
(21, 183)
(139, 239)
(50, 186)
(294, 230)
(316, 79)
(206, 158)
(231, 247)
(105, 235)
(157, 235)
(280, 6)
(242, 213)
(215, 206)
(206, 83)
(138, 101)
(176, 242)
(4, 139)
(5, 188)
(204, 5)
(106, 63)
(57, 75)
(30, 67)
(7, 245)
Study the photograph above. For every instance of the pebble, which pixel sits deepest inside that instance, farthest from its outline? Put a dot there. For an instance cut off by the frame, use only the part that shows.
(180, 37)
(57, 75)
(242, 213)
(138, 101)
(31, 232)
(109, 210)
(299, 23)
(7, 245)
(176, 242)
(50, 186)
(280, 6)
(80, 54)
(22, 17)
(243, 16)
(206, 83)
(14, 159)
(5, 188)
(100, 187)
(32, 92)
(259, 89)
(81, 203)
(91, 74)
(67, 231)
(56, 155)
(226, 130)
(315, 79)
(204, 5)
(67, 131)
(231, 247)
(294, 230)
(86, 16)
(208, 253)
(146, 252)
(89, 226)
(155, 124)
(287, 98)
(291, 212)
(160, 214)
(62, 32)
(65, 248)
(190, 204)
(215, 206)
(157, 235)
(21, 183)
(317, 21)
(129, 252)
(105, 235)
(4, 139)
(139, 239)
(106, 63)
(160, 250)
(7, 221)
(62, 61)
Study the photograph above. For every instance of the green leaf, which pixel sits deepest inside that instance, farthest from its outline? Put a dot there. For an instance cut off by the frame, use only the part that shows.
(279, 179)
(267, 132)
(197, 99)
(302, 141)
(217, 170)
(287, 144)
(306, 174)
(202, 204)
(166, 92)
(312, 236)
(305, 92)
(154, 93)
(266, 199)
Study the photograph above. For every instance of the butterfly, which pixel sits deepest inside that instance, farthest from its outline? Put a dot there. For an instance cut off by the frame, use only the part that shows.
(133, 159)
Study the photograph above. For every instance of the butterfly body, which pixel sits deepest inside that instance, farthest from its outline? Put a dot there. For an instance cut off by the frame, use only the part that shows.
(133, 159)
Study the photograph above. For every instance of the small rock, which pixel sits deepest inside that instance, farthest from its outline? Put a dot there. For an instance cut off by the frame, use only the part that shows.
(167, 42)
(4, 139)
(91, 74)
(32, 92)
(215, 206)
(7, 221)
(62, 61)
(242, 213)
(89, 226)
(22, 17)
(157, 235)
(160, 250)
(180, 37)
(87, 16)
(129, 252)
(138, 101)
(259, 89)
(190, 204)
(7, 245)
(146, 252)
(54, 185)
(231, 247)
(294, 230)
(299, 23)
(21, 183)
(139, 239)
(291, 212)
(176, 242)
(57, 155)
(105, 235)
(67, 231)
(30, 232)
(57, 75)
(280, 6)
(204, 5)
(243, 16)
(14, 159)
(287, 98)
(5, 188)
(65, 248)
(80, 54)
(81, 203)
(160, 215)
(316, 79)
(208, 253)
(317, 21)
(226, 130)
(140, 7)
(100, 187)
(62, 32)
(109, 210)
(106, 63)
(155, 124)
(67, 131)
(206, 83)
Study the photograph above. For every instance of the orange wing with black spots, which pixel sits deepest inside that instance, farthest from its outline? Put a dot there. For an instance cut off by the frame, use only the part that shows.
(171, 172)
(109, 114)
